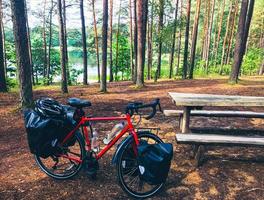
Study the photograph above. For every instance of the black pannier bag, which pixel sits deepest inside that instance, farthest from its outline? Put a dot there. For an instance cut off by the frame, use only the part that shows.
(154, 162)
(44, 132)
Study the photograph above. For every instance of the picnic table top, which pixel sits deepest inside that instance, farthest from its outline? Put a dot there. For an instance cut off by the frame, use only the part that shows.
(191, 99)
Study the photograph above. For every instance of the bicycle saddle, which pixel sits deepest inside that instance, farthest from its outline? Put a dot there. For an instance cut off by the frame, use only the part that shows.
(78, 103)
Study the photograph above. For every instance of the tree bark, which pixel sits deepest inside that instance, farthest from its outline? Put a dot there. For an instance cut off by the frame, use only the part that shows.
(50, 43)
(117, 44)
(22, 51)
(219, 32)
(160, 28)
(135, 41)
(225, 38)
(240, 39)
(64, 87)
(186, 43)
(104, 46)
(96, 42)
(150, 36)
(65, 41)
(173, 39)
(44, 42)
(29, 46)
(85, 78)
(111, 40)
(141, 23)
(209, 37)
(194, 37)
(179, 42)
(3, 86)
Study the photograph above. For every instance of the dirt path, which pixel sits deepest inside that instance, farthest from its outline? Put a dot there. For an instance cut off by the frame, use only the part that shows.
(219, 178)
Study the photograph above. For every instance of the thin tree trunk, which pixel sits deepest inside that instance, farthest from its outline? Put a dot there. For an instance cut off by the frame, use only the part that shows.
(131, 40)
(150, 36)
(186, 43)
(209, 37)
(117, 37)
(173, 39)
(50, 43)
(194, 37)
(232, 34)
(240, 39)
(29, 45)
(64, 82)
(3, 86)
(96, 42)
(135, 41)
(66, 45)
(179, 42)
(160, 28)
(261, 69)
(219, 32)
(104, 46)
(22, 51)
(225, 38)
(44, 42)
(85, 78)
(141, 22)
(205, 29)
(111, 41)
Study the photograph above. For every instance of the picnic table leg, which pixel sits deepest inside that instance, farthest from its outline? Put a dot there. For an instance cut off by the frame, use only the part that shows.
(199, 156)
(186, 120)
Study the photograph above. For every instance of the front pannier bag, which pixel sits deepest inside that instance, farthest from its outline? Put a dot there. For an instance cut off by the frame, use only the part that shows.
(154, 162)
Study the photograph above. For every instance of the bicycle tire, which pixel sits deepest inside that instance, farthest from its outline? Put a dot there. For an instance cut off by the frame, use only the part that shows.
(73, 169)
(120, 167)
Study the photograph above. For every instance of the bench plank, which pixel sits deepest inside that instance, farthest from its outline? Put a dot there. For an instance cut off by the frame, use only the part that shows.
(215, 113)
(192, 138)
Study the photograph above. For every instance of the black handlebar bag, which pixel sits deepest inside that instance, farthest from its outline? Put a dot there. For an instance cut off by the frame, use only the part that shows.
(154, 162)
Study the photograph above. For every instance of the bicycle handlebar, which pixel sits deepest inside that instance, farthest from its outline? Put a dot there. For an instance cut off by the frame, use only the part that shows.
(135, 106)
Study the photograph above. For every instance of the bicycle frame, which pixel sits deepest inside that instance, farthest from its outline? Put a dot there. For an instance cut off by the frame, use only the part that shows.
(84, 120)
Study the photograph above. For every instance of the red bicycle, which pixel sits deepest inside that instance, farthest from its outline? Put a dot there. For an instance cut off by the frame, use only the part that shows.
(71, 158)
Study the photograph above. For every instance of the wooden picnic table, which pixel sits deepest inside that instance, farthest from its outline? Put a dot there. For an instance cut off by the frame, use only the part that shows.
(190, 101)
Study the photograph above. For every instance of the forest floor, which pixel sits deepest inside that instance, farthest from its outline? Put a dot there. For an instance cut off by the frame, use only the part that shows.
(228, 173)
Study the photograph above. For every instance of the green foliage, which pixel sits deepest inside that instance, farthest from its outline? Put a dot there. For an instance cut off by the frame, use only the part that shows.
(252, 61)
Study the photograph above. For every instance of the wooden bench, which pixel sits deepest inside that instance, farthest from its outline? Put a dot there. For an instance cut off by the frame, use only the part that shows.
(199, 140)
(215, 113)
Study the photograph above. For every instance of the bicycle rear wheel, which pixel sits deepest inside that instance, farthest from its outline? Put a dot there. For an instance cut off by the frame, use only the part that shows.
(128, 170)
(60, 167)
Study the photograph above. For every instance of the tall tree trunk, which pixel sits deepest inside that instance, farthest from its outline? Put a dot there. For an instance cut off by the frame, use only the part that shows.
(22, 51)
(29, 46)
(131, 40)
(111, 40)
(3, 87)
(65, 40)
(104, 46)
(96, 42)
(117, 44)
(160, 28)
(50, 43)
(230, 42)
(225, 38)
(84, 44)
(135, 41)
(219, 33)
(241, 37)
(141, 22)
(150, 36)
(44, 42)
(64, 82)
(186, 43)
(194, 37)
(261, 69)
(173, 39)
(179, 41)
(209, 37)
(205, 29)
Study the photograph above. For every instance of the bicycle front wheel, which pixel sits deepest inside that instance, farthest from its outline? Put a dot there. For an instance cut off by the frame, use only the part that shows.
(67, 164)
(128, 170)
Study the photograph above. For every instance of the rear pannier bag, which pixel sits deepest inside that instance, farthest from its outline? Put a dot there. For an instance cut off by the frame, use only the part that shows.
(44, 133)
(154, 162)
